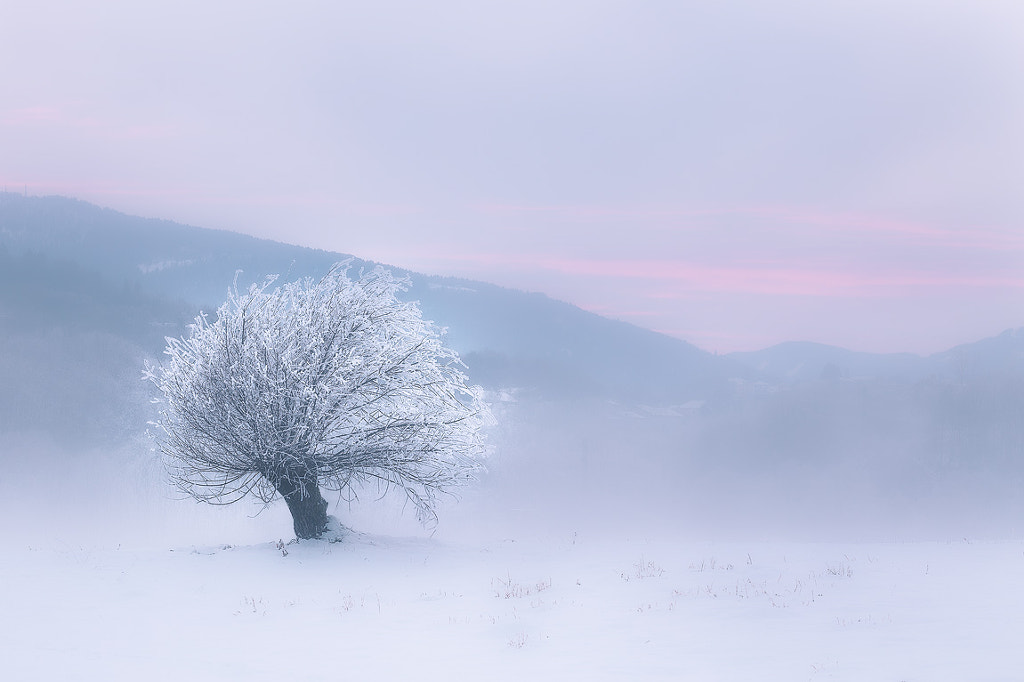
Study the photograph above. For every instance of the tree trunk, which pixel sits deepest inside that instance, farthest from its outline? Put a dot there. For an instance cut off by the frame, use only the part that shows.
(309, 512)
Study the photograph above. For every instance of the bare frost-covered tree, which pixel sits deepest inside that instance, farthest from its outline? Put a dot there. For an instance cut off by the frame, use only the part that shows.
(330, 383)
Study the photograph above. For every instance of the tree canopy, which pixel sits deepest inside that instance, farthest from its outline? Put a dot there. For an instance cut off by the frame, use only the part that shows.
(331, 383)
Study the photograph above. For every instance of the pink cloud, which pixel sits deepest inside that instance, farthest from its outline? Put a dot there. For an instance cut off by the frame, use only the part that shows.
(49, 115)
(753, 278)
(859, 224)
(73, 116)
(30, 116)
(918, 232)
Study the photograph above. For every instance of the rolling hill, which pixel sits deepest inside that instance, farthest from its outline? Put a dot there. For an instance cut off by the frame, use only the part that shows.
(507, 337)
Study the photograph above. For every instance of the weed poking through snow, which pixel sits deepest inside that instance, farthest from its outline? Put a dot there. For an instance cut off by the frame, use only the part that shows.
(510, 589)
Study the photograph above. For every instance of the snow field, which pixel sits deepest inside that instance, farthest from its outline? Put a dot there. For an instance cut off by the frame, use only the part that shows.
(575, 608)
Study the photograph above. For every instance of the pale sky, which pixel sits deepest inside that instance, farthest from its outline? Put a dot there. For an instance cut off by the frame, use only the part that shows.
(732, 173)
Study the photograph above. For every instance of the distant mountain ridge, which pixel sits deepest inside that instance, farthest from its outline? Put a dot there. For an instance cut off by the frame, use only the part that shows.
(507, 337)
(797, 362)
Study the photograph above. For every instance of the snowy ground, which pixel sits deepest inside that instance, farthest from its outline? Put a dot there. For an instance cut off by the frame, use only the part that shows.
(103, 576)
(576, 607)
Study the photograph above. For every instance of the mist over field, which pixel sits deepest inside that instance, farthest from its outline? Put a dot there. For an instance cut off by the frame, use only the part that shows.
(600, 425)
